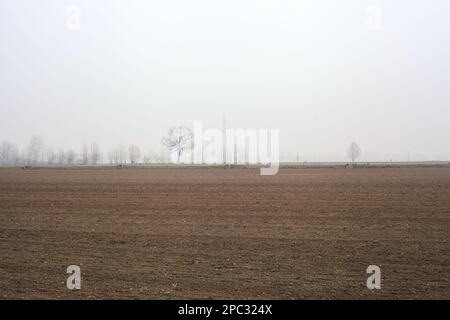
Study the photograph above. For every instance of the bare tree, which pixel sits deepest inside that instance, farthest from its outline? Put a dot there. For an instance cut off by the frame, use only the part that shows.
(71, 157)
(95, 153)
(179, 140)
(149, 157)
(146, 158)
(50, 155)
(134, 153)
(118, 155)
(85, 154)
(15, 156)
(61, 157)
(23, 157)
(121, 155)
(354, 152)
(9, 153)
(111, 156)
(35, 150)
(5, 148)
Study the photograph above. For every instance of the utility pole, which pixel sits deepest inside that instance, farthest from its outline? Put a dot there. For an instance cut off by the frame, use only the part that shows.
(224, 140)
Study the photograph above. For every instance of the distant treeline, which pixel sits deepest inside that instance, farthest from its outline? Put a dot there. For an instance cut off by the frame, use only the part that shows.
(37, 152)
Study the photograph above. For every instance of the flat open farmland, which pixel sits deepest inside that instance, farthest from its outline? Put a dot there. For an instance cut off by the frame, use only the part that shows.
(216, 233)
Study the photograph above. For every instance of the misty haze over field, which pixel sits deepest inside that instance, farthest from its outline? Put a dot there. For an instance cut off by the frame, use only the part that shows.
(323, 72)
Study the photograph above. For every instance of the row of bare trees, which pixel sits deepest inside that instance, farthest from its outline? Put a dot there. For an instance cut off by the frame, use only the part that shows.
(38, 153)
(9, 154)
(132, 154)
(90, 154)
(178, 139)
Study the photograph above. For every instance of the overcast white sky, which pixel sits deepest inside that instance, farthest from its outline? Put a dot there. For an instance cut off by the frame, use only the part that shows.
(324, 72)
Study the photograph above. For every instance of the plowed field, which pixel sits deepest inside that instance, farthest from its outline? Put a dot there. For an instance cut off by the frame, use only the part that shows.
(225, 233)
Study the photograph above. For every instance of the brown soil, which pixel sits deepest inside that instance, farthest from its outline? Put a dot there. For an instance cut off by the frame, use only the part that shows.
(215, 233)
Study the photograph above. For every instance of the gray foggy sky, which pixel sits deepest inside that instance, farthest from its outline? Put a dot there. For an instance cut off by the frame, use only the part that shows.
(324, 72)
